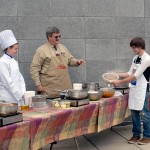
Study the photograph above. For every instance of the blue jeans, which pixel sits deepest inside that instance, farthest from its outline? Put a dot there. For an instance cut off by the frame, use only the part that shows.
(143, 115)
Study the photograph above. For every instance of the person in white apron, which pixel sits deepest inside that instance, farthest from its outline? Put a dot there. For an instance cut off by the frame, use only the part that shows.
(138, 76)
(12, 85)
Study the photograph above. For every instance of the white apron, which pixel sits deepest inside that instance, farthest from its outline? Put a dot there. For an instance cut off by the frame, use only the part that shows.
(138, 92)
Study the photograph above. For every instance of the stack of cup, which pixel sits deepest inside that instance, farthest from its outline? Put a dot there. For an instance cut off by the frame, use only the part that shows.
(28, 97)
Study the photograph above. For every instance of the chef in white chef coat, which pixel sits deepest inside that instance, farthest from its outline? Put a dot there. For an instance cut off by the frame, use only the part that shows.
(138, 75)
(12, 85)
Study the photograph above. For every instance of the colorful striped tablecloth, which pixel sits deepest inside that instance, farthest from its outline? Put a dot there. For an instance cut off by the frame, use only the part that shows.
(57, 124)
(112, 111)
(41, 128)
(15, 136)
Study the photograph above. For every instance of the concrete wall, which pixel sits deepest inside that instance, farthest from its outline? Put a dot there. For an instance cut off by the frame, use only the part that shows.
(98, 31)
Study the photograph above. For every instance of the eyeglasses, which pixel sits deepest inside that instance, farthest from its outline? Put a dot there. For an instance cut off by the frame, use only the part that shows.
(133, 47)
(56, 37)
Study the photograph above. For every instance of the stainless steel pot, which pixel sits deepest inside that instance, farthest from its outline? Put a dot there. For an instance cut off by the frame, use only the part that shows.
(73, 94)
(77, 94)
(6, 108)
(91, 86)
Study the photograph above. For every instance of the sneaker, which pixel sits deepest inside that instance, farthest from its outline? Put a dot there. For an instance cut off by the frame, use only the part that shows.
(134, 139)
(144, 141)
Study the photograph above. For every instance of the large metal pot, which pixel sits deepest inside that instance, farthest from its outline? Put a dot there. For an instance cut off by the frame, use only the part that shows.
(91, 86)
(77, 94)
(73, 94)
(8, 108)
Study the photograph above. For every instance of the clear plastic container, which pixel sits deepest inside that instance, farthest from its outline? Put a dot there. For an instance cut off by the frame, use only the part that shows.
(40, 106)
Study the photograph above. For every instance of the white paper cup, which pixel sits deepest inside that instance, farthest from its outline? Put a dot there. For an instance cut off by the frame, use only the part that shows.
(77, 86)
(28, 97)
(27, 101)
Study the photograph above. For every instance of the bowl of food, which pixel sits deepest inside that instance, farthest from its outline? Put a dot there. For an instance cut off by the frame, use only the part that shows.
(107, 92)
(95, 95)
(110, 77)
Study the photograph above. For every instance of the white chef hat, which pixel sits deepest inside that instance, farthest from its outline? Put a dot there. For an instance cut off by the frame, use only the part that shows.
(7, 39)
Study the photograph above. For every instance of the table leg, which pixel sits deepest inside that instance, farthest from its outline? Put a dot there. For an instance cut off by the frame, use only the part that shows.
(76, 143)
(52, 145)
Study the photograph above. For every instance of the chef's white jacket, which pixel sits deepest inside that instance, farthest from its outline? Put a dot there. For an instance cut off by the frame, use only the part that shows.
(12, 85)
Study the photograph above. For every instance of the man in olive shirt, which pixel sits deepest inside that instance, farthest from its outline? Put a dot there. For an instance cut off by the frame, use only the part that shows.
(49, 67)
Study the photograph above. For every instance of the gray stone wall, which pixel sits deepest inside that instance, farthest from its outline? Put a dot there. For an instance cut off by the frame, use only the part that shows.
(98, 31)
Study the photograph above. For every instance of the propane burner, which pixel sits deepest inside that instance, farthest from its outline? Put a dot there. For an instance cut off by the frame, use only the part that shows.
(10, 118)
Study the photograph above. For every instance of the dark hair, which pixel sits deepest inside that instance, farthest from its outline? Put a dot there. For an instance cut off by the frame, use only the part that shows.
(51, 30)
(5, 50)
(138, 42)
